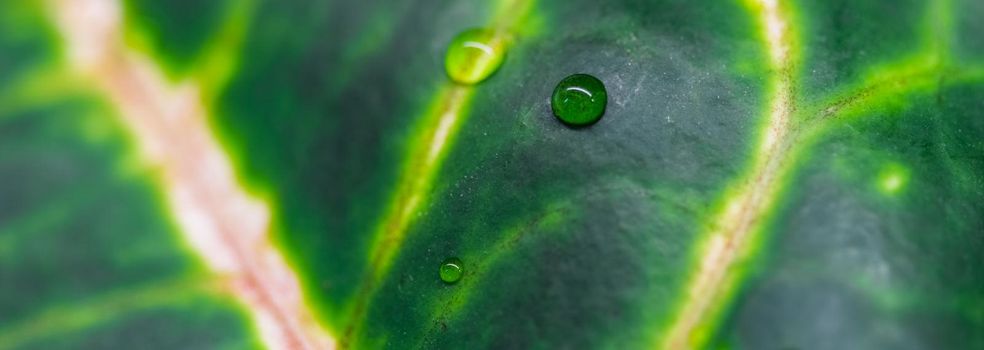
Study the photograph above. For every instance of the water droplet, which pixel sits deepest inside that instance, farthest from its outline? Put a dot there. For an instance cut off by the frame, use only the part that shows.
(474, 55)
(579, 100)
(451, 270)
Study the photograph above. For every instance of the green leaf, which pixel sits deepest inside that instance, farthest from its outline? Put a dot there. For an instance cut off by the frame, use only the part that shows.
(88, 257)
(768, 174)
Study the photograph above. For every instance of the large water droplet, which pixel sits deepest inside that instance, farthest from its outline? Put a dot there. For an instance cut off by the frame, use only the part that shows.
(579, 99)
(451, 270)
(474, 55)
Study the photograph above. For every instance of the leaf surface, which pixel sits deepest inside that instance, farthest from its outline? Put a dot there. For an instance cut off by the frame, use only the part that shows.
(797, 174)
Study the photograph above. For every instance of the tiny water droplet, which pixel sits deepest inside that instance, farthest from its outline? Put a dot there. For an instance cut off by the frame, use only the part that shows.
(579, 100)
(451, 270)
(474, 55)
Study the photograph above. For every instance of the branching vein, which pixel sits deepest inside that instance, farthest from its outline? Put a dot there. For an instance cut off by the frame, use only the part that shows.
(435, 134)
(227, 226)
(733, 228)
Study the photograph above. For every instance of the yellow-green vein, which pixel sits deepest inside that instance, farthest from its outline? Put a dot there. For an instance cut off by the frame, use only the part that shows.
(744, 205)
(736, 226)
(433, 135)
(227, 226)
(66, 318)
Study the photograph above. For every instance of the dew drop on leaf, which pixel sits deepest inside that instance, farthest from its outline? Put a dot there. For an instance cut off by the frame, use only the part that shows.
(579, 100)
(474, 55)
(451, 270)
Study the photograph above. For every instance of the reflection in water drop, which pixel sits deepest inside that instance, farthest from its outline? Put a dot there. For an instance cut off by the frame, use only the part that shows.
(451, 270)
(579, 100)
(474, 55)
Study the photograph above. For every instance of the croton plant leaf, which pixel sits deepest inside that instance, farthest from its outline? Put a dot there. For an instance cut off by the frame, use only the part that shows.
(231, 174)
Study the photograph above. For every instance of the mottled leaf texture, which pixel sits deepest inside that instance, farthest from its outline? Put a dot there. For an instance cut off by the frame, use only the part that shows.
(769, 174)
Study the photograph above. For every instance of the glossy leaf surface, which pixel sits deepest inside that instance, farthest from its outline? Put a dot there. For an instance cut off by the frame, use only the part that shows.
(767, 175)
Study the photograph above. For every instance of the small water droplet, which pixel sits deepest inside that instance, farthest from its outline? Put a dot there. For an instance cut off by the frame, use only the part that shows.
(474, 55)
(451, 270)
(579, 100)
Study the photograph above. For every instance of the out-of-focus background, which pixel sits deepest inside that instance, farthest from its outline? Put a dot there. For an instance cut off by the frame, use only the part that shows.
(123, 222)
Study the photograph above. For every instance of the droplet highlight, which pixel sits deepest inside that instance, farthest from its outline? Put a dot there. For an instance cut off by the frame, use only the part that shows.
(451, 270)
(579, 100)
(474, 55)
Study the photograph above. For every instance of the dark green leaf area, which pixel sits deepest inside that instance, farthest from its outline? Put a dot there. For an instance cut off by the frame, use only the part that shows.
(842, 40)
(26, 41)
(561, 228)
(179, 31)
(83, 242)
(321, 114)
(968, 25)
(885, 266)
(197, 323)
